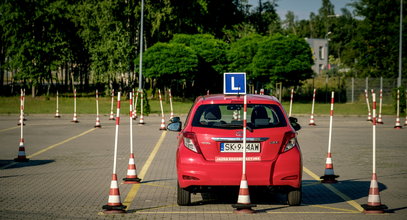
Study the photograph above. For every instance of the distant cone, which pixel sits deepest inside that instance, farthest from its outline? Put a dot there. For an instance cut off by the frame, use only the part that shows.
(75, 118)
(311, 120)
(243, 202)
(162, 126)
(57, 115)
(369, 117)
(379, 119)
(134, 115)
(21, 153)
(98, 125)
(141, 121)
(131, 172)
(405, 122)
(114, 204)
(329, 175)
(374, 205)
(111, 117)
(398, 124)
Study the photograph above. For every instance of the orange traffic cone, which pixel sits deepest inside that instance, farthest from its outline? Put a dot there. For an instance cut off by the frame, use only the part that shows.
(131, 172)
(243, 202)
(312, 121)
(21, 152)
(374, 205)
(97, 125)
(329, 175)
(114, 204)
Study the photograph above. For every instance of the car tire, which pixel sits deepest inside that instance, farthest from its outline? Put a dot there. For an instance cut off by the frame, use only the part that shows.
(183, 196)
(294, 197)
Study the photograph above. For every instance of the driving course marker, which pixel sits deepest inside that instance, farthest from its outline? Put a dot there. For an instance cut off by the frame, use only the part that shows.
(398, 125)
(75, 118)
(172, 112)
(21, 149)
(379, 119)
(57, 115)
(141, 121)
(162, 126)
(97, 125)
(111, 117)
(311, 120)
(369, 114)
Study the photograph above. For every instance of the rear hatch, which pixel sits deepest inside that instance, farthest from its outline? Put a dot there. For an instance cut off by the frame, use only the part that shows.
(219, 131)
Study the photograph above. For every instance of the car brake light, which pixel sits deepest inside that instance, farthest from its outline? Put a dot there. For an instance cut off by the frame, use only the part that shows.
(190, 141)
(290, 141)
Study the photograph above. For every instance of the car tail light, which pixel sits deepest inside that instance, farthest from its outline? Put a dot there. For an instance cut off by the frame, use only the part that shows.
(290, 141)
(190, 141)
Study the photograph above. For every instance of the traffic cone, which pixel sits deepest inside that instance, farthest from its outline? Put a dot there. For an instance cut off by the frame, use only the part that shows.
(75, 118)
(261, 91)
(172, 110)
(21, 152)
(311, 120)
(141, 121)
(398, 125)
(329, 175)
(97, 125)
(405, 122)
(162, 126)
(114, 204)
(131, 172)
(379, 118)
(57, 115)
(374, 205)
(244, 205)
(111, 117)
(134, 114)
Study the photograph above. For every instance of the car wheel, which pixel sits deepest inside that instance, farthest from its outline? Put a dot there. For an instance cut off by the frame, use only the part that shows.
(294, 197)
(183, 196)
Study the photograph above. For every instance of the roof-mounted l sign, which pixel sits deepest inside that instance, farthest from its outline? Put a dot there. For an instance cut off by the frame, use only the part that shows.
(234, 83)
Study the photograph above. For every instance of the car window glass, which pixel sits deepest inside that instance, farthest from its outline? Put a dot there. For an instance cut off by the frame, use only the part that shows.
(230, 116)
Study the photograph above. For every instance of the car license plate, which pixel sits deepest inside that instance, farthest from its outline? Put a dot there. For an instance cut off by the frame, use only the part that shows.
(238, 147)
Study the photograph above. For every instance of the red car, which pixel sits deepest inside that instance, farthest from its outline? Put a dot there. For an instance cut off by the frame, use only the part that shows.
(209, 153)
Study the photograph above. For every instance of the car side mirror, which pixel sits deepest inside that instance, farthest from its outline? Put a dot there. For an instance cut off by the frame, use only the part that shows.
(175, 119)
(174, 126)
(294, 123)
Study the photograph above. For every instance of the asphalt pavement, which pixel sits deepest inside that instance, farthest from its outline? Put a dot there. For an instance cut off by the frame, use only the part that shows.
(70, 167)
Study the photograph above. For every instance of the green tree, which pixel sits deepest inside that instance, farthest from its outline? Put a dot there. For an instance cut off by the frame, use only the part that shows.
(286, 59)
(377, 42)
(241, 53)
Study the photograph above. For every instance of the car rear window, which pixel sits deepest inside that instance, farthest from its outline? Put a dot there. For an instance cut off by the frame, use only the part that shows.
(230, 116)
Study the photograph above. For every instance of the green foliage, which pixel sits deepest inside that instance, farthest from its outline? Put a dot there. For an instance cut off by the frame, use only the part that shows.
(286, 59)
(241, 53)
(170, 61)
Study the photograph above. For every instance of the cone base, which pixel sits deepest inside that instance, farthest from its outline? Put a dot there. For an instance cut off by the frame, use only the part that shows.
(312, 124)
(329, 179)
(75, 121)
(117, 209)
(112, 119)
(20, 124)
(141, 123)
(374, 209)
(131, 180)
(244, 208)
(163, 129)
(98, 126)
(21, 159)
(397, 127)
(57, 116)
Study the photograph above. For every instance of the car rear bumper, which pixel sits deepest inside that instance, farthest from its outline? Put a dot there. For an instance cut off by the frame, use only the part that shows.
(194, 170)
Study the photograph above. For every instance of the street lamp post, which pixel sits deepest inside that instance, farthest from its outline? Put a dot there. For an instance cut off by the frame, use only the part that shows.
(400, 43)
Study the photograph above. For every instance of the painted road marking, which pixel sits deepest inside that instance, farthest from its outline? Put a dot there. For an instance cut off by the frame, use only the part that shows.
(134, 189)
(334, 190)
(8, 129)
(51, 147)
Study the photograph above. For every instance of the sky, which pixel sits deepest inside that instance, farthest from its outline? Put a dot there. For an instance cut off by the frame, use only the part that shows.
(303, 8)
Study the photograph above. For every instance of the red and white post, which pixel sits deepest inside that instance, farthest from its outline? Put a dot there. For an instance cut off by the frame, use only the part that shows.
(57, 115)
(141, 121)
(162, 126)
(291, 102)
(398, 125)
(261, 91)
(75, 117)
(97, 125)
(21, 149)
(243, 202)
(369, 114)
(311, 120)
(114, 204)
(374, 205)
(379, 119)
(21, 118)
(111, 117)
(134, 115)
(172, 110)
(131, 177)
(329, 175)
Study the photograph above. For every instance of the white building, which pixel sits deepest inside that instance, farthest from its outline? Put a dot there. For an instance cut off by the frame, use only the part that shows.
(319, 49)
